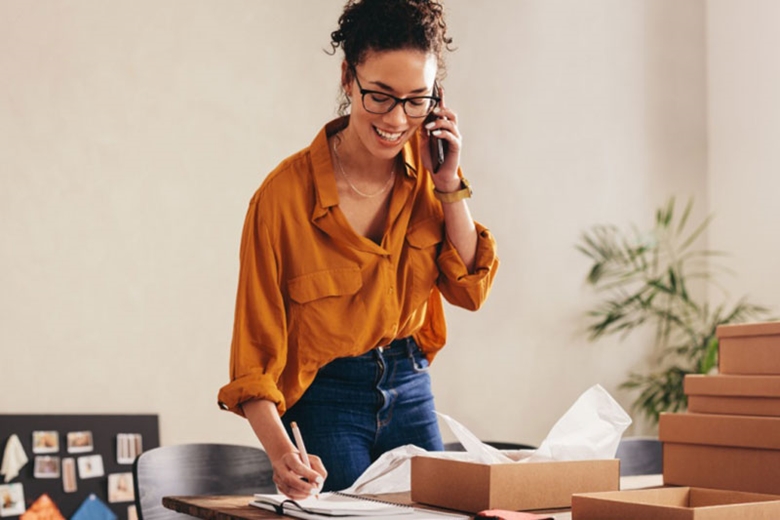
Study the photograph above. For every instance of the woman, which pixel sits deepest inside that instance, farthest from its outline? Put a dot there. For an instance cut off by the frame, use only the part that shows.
(346, 251)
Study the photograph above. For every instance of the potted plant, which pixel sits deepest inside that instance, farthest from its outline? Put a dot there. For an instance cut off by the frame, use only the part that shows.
(660, 278)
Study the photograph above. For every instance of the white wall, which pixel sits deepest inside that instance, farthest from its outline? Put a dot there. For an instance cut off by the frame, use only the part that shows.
(133, 133)
(744, 156)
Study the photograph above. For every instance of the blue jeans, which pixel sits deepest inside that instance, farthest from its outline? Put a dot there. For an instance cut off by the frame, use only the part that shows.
(360, 407)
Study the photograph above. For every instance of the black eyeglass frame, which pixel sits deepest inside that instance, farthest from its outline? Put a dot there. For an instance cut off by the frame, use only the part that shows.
(434, 99)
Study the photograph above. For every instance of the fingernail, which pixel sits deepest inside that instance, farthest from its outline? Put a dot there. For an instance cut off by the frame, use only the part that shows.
(430, 125)
(436, 133)
(437, 110)
(318, 480)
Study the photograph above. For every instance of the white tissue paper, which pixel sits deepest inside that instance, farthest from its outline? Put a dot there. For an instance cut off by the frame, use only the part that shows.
(590, 429)
(14, 458)
(478, 451)
(390, 473)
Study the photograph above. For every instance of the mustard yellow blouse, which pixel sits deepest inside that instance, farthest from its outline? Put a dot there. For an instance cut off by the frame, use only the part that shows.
(311, 290)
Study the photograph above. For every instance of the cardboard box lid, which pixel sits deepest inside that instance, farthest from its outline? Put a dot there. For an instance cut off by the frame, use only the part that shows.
(675, 503)
(738, 405)
(472, 486)
(766, 328)
(732, 385)
(744, 431)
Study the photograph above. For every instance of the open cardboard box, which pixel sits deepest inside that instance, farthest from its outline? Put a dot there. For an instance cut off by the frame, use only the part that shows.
(733, 394)
(749, 348)
(472, 487)
(675, 503)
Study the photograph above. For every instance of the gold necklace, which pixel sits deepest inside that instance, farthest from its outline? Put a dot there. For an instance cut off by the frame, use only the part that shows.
(346, 177)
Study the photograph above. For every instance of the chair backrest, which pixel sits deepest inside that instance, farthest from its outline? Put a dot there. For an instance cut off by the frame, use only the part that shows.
(197, 469)
(640, 456)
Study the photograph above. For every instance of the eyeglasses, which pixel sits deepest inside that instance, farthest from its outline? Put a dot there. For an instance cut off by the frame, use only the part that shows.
(382, 103)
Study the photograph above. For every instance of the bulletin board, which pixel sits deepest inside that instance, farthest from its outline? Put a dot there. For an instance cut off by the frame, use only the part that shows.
(91, 436)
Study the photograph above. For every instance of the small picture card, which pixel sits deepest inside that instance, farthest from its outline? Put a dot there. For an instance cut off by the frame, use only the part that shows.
(45, 441)
(132, 514)
(90, 466)
(12, 499)
(46, 466)
(120, 487)
(80, 442)
(69, 484)
(128, 447)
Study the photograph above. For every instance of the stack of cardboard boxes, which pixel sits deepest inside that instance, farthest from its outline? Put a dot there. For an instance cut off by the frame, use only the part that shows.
(721, 458)
(730, 436)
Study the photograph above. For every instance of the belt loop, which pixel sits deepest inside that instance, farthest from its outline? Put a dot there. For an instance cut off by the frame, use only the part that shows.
(411, 345)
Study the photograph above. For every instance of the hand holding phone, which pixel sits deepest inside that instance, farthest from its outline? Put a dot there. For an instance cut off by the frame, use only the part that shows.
(438, 147)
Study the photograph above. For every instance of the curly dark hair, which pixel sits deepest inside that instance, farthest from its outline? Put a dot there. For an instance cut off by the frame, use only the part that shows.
(384, 25)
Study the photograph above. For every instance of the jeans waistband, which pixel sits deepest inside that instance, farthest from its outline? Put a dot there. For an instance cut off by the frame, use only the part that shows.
(395, 348)
(400, 344)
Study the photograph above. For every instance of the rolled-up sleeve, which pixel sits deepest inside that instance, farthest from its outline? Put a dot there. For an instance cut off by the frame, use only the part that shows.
(259, 347)
(457, 285)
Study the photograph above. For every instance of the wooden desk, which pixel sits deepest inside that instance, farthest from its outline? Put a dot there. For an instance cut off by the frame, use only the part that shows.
(218, 507)
(238, 508)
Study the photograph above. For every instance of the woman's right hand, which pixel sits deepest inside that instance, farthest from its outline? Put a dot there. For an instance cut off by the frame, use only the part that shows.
(291, 476)
(294, 479)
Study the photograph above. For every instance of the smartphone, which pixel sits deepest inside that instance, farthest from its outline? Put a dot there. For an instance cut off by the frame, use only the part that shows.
(438, 147)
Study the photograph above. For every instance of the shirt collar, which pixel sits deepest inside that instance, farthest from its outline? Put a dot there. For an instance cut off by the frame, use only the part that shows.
(322, 166)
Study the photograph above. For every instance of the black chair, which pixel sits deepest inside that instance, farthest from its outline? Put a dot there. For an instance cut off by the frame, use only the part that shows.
(640, 456)
(457, 446)
(197, 469)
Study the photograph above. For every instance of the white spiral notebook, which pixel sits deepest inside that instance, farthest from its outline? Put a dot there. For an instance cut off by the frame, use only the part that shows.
(346, 507)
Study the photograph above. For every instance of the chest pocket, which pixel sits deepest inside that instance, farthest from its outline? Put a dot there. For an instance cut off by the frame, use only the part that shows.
(322, 284)
(427, 233)
(424, 241)
(321, 304)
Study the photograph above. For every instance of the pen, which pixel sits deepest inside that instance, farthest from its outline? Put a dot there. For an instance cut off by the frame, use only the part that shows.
(299, 443)
(301, 447)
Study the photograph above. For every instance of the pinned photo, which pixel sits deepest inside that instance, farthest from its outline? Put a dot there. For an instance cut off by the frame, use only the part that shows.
(11, 499)
(120, 487)
(47, 467)
(128, 447)
(69, 484)
(80, 442)
(90, 466)
(45, 441)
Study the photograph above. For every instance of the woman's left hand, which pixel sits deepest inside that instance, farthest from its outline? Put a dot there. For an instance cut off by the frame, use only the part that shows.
(444, 126)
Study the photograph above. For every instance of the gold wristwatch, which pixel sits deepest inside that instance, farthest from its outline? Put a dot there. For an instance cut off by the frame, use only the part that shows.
(454, 196)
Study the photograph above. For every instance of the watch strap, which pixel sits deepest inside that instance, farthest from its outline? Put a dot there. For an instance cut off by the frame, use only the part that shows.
(464, 192)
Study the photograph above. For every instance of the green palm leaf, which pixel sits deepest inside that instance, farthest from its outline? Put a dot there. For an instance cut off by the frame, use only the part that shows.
(661, 277)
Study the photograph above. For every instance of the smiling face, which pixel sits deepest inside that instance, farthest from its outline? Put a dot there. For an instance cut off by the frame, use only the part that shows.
(400, 73)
